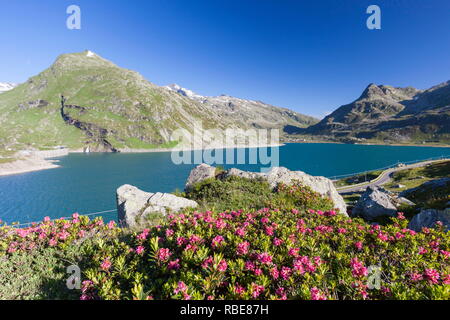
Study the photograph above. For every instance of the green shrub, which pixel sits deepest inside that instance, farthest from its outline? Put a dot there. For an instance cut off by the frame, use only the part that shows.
(271, 254)
(237, 192)
(231, 192)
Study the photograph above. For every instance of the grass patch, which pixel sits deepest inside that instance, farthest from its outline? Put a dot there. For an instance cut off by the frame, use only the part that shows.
(358, 179)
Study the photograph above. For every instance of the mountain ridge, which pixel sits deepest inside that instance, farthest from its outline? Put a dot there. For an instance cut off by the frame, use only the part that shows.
(390, 114)
(122, 109)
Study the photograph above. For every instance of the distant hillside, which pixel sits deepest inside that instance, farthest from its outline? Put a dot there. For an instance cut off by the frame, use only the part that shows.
(108, 108)
(254, 113)
(388, 114)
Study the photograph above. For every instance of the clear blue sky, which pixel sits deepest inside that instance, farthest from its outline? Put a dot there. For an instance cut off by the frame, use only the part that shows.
(310, 56)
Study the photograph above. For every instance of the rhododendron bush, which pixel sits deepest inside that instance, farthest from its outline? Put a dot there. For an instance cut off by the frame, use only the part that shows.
(271, 254)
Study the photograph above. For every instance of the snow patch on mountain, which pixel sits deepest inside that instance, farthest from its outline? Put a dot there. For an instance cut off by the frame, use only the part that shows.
(6, 86)
(185, 92)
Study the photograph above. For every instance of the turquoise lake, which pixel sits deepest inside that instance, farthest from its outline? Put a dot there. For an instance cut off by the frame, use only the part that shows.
(87, 183)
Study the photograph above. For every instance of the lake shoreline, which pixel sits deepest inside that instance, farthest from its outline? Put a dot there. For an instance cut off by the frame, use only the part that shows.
(374, 144)
(32, 161)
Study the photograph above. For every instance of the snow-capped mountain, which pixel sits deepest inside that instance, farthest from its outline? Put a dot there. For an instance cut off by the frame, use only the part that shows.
(257, 113)
(6, 86)
(185, 92)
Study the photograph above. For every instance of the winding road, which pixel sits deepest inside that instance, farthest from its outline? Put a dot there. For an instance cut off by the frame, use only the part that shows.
(384, 177)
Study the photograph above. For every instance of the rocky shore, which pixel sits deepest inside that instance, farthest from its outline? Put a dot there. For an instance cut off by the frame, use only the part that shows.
(29, 161)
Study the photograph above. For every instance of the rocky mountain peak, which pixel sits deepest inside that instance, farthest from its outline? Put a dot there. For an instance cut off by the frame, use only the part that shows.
(84, 59)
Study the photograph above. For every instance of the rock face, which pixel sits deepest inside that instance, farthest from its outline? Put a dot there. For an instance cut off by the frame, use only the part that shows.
(133, 205)
(275, 176)
(321, 185)
(427, 219)
(200, 173)
(427, 186)
(374, 203)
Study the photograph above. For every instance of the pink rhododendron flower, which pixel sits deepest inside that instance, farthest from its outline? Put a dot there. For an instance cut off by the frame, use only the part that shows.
(194, 239)
(182, 287)
(249, 266)
(359, 245)
(64, 235)
(174, 265)
(446, 279)
(432, 275)
(446, 254)
(239, 289)
(281, 293)
(265, 258)
(242, 248)
(106, 264)
(358, 269)
(181, 241)
(240, 232)
(140, 250)
(169, 233)
(222, 267)
(316, 294)
(257, 290)
(209, 261)
(277, 242)
(269, 230)
(216, 242)
(422, 250)
(274, 273)
(285, 273)
(382, 237)
(400, 216)
(264, 220)
(164, 254)
(293, 252)
(258, 272)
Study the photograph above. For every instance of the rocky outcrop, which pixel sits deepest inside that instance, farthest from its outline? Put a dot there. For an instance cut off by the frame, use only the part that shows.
(428, 218)
(374, 203)
(200, 173)
(275, 176)
(428, 186)
(97, 135)
(133, 204)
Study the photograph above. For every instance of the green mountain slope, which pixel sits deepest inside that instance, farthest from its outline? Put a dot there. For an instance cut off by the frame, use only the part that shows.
(106, 108)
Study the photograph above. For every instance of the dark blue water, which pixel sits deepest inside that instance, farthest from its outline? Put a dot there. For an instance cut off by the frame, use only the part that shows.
(87, 183)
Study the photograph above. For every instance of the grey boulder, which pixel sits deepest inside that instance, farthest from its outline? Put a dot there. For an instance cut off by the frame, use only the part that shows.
(198, 174)
(133, 204)
(427, 218)
(321, 185)
(375, 202)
